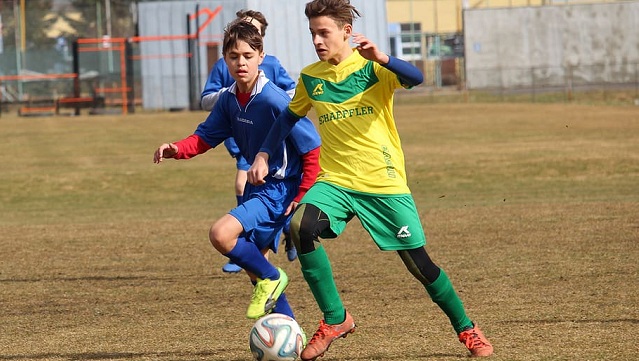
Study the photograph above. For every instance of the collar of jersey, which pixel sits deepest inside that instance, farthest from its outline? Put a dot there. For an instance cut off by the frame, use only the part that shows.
(259, 84)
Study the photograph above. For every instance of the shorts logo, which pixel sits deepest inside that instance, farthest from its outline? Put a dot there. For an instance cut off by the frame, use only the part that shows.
(403, 232)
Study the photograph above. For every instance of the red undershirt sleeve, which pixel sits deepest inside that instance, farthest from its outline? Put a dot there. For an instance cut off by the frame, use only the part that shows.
(310, 168)
(190, 146)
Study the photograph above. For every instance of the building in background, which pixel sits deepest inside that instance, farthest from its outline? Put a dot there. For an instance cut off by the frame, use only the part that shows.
(432, 34)
(467, 44)
(171, 81)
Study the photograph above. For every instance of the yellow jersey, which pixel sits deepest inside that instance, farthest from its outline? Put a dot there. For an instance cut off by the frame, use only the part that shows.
(353, 100)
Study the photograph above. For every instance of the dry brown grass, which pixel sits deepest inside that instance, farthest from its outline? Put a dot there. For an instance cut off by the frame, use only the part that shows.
(531, 210)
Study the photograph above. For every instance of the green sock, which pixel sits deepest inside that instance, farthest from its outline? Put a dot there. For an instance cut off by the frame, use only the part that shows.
(443, 294)
(317, 272)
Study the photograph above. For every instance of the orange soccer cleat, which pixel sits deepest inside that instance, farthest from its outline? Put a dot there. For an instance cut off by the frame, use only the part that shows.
(476, 342)
(325, 335)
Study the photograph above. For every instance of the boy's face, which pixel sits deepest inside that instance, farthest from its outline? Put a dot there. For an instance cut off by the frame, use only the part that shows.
(329, 39)
(243, 62)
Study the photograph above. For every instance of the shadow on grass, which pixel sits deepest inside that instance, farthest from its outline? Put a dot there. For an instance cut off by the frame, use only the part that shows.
(547, 322)
(116, 356)
(107, 278)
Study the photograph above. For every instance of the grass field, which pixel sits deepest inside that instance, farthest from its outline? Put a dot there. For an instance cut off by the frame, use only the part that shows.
(532, 210)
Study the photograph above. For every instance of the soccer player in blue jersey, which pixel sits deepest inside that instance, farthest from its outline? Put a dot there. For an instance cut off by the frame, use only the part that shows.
(362, 171)
(219, 81)
(246, 112)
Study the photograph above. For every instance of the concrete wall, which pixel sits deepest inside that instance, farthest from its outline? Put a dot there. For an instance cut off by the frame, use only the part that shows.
(522, 47)
(165, 80)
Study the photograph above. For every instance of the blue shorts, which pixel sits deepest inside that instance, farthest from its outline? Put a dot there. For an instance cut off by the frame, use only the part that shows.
(261, 212)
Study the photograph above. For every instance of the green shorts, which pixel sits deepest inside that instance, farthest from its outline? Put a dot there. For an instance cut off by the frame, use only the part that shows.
(391, 220)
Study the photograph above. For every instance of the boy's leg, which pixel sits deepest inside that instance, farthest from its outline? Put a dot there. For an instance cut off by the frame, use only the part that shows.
(394, 224)
(307, 224)
(442, 292)
(240, 181)
(271, 281)
(224, 236)
(289, 247)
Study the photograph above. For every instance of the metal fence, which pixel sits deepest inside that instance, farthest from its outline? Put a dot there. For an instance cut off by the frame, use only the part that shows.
(446, 80)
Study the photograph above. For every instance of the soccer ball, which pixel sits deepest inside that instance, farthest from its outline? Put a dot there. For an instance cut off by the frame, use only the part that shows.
(276, 337)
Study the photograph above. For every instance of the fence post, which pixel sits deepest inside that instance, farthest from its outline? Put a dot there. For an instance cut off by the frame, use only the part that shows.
(532, 83)
(636, 100)
(570, 84)
(130, 79)
(76, 69)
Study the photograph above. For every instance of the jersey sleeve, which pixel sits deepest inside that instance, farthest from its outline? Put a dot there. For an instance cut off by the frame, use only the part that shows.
(304, 136)
(407, 74)
(283, 80)
(301, 102)
(218, 81)
(217, 127)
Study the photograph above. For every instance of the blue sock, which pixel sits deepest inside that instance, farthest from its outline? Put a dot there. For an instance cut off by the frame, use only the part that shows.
(282, 306)
(246, 255)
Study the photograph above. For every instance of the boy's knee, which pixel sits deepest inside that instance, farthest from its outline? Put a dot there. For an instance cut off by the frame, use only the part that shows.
(307, 224)
(219, 240)
(295, 225)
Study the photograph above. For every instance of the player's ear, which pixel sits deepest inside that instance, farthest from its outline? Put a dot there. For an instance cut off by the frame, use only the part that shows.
(348, 31)
(261, 57)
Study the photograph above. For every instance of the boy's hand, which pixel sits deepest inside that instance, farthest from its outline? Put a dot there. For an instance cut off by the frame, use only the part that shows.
(369, 50)
(291, 207)
(258, 170)
(166, 150)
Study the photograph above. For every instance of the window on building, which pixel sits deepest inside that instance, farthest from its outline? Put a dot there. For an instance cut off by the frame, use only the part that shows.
(411, 41)
(445, 46)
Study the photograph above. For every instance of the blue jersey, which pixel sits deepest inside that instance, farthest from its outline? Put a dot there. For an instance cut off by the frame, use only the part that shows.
(250, 124)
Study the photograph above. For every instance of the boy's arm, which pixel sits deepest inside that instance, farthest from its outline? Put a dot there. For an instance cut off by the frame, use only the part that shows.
(408, 74)
(285, 82)
(279, 131)
(310, 168)
(190, 146)
(186, 148)
(214, 86)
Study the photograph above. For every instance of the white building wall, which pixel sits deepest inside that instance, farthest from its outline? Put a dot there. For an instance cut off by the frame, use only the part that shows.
(522, 47)
(165, 79)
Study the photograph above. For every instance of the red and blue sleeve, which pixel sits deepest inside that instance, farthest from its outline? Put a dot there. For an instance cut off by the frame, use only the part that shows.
(190, 146)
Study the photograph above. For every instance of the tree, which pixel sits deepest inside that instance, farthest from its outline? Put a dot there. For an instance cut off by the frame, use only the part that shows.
(97, 13)
(33, 32)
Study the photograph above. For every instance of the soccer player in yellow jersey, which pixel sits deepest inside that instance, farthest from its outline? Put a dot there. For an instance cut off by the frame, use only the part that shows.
(362, 171)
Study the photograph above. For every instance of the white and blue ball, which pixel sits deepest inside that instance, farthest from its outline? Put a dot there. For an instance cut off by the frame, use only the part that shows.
(276, 337)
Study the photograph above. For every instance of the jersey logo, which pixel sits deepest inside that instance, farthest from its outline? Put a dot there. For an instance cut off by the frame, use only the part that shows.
(319, 89)
(327, 91)
(403, 232)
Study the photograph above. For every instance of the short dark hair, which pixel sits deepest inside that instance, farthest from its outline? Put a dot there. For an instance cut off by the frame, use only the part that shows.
(339, 10)
(253, 14)
(240, 30)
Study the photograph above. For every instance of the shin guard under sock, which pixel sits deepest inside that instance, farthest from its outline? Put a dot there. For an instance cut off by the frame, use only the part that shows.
(317, 272)
(443, 294)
